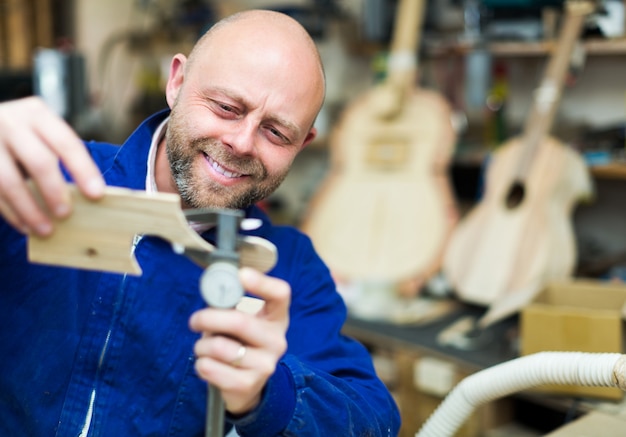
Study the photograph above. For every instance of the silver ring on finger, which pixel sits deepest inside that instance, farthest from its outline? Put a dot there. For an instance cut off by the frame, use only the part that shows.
(241, 353)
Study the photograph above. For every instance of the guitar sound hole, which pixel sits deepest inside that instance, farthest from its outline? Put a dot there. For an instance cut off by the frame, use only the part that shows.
(515, 196)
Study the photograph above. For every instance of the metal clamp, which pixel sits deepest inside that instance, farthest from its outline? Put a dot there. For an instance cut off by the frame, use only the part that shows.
(219, 286)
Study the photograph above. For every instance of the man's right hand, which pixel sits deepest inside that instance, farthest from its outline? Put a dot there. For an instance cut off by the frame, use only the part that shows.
(33, 139)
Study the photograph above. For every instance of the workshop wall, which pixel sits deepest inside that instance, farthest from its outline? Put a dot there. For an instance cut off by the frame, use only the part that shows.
(122, 72)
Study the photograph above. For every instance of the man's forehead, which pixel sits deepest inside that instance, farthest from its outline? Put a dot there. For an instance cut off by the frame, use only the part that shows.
(286, 73)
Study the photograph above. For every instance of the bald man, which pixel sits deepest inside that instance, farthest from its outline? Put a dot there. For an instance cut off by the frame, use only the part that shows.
(94, 353)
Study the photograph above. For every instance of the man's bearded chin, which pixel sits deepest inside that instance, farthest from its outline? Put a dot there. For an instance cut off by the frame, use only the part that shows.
(196, 192)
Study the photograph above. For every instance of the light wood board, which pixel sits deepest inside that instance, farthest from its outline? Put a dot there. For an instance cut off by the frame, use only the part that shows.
(99, 235)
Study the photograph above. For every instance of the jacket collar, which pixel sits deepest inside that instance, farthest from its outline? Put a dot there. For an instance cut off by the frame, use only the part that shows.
(131, 162)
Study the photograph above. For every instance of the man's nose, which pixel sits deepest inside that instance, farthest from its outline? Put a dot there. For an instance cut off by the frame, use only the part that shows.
(240, 137)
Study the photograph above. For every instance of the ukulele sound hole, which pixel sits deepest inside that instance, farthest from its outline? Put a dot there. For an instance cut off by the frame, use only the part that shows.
(515, 196)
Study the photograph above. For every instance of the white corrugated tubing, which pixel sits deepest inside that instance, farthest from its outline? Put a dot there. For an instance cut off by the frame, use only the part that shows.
(560, 368)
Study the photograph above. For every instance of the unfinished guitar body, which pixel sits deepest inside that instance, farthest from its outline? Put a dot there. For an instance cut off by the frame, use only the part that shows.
(386, 209)
(498, 249)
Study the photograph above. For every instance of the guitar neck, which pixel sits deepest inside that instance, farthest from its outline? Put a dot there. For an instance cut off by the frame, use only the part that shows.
(402, 63)
(548, 95)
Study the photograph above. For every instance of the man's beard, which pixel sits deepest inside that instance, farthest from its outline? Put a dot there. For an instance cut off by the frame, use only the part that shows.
(201, 192)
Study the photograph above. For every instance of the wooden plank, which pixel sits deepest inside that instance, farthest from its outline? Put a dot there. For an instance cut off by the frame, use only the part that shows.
(98, 235)
(42, 15)
(3, 35)
(18, 35)
(592, 46)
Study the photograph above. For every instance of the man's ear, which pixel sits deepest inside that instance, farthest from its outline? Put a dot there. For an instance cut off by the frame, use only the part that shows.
(309, 137)
(176, 78)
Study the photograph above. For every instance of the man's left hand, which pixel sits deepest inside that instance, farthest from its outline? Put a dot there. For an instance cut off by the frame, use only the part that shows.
(238, 352)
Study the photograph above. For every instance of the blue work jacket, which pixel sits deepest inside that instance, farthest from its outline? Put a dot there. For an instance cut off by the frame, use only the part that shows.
(75, 343)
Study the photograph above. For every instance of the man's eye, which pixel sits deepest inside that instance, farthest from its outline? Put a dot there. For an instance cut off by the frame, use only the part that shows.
(226, 108)
(276, 133)
(223, 108)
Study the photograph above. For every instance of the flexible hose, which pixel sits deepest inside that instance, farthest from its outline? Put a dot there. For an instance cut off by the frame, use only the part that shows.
(561, 368)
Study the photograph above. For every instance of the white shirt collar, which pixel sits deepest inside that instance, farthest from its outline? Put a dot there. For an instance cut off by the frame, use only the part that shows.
(158, 135)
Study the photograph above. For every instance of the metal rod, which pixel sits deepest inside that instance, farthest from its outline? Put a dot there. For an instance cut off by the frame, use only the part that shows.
(214, 413)
(226, 250)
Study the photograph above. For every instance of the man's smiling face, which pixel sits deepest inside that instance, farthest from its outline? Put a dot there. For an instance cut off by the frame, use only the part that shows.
(240, 114)
(208, 174)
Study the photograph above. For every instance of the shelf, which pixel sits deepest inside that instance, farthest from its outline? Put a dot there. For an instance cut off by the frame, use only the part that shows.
(592, 47)
(596, 46)
(610, 171)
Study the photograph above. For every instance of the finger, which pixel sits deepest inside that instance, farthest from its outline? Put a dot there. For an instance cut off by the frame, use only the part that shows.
(217, 358)
(56, 134)
(229, 378)
(42, 166)
(26, 154)
(11, 218)
(268, 335)
(18, 206)
(228, 365)
(73, 154)
(223, 349)
(38, 148)
(227, 322)
(275, 292)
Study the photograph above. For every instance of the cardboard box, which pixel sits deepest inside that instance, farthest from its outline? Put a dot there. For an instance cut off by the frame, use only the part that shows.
(595, 424)
(418, 402)
(578, 316)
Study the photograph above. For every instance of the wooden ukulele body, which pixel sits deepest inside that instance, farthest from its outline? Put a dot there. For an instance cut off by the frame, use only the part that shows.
(386, 209)
(499, 250)
(520, 236)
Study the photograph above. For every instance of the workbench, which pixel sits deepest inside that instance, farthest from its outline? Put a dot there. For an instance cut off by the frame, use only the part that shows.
(420, 371)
